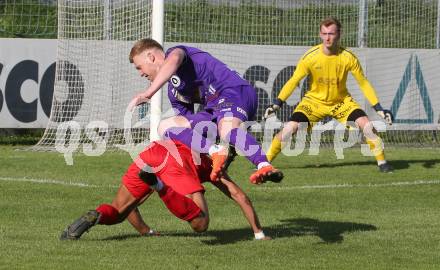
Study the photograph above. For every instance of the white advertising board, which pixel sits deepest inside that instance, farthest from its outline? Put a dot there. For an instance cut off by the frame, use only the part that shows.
(406, 80)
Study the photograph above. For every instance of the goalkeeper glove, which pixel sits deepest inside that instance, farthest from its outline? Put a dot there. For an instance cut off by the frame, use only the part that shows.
(272, 109)
(385, 114)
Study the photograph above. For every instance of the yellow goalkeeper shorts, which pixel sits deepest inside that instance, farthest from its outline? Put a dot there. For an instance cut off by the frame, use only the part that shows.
(315, 111)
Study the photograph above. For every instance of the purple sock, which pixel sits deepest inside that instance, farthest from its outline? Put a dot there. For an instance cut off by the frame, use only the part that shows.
(248, 145)
(190, 138)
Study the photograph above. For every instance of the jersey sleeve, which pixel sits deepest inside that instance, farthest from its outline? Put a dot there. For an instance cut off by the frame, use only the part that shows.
(179, 107)
(177, 47)
(300, 72)
(364, 84)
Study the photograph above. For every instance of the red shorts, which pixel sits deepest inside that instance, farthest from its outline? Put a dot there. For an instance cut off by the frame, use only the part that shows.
(181, 174)
(134, 184)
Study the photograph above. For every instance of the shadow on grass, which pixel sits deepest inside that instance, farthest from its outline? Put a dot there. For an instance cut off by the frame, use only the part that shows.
(329, 232)
(396, 164)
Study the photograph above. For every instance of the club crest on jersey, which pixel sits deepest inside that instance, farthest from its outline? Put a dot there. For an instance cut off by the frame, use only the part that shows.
(175, 81)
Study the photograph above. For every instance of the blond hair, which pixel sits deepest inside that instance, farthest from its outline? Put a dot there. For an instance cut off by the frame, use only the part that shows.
(142, 45)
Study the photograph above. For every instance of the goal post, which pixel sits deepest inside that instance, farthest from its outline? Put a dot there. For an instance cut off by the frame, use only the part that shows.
(157, 33)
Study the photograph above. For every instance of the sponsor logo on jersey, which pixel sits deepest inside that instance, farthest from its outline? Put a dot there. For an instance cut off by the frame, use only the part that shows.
(240, 110)
(343, 113)
(328, 81)
(307, 109)
(221, 100)
(336, 108)
(175, 81)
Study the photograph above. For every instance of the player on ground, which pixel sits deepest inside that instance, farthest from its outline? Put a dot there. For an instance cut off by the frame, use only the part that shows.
(168, 168)
(328, 65)
(194, 76)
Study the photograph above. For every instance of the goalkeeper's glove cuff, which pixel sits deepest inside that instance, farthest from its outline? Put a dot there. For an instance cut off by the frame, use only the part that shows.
(385, 114)
(278, 102)
(272, 109)
(378, 107)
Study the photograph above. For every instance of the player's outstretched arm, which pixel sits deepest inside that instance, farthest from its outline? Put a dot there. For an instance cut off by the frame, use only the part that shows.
(300, 72)
(136, 220)
(230, 189)
(169, 67)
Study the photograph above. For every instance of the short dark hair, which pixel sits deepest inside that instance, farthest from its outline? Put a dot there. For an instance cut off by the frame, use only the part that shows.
(329, 21)
(142, 45)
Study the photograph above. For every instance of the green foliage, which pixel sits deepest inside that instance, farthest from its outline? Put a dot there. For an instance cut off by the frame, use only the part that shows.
(247, 23)
(326, 214)
(28, 19)
(20, 136)
(392, 23)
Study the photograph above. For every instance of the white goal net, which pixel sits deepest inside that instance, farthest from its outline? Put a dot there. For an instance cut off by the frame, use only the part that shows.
(396, 41)
(94, 80)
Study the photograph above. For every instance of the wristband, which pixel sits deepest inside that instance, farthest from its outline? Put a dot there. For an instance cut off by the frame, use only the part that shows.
(278, 102)
(378, 107)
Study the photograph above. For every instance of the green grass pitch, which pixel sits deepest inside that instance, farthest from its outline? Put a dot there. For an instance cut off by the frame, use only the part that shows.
(326, 214)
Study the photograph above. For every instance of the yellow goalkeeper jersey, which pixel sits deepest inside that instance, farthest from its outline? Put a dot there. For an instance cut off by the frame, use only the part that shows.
(328, 76)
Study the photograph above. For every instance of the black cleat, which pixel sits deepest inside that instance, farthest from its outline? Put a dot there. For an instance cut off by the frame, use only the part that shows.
(385, 168)
(232, 153)
(275, 177)
(148, 177)
(81, 225)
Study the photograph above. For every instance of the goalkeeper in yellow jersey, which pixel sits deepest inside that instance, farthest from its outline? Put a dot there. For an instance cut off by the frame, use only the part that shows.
(327, 65)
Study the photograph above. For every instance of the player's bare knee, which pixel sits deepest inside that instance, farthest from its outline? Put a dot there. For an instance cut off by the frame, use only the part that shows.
(226, 125)
(288, 130)
(174, 121)
(223, 133)
(297, 120)
(163, 126)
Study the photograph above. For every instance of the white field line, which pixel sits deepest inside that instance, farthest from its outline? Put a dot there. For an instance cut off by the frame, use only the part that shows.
(51, 181)
(262, 188)
(347, 185)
